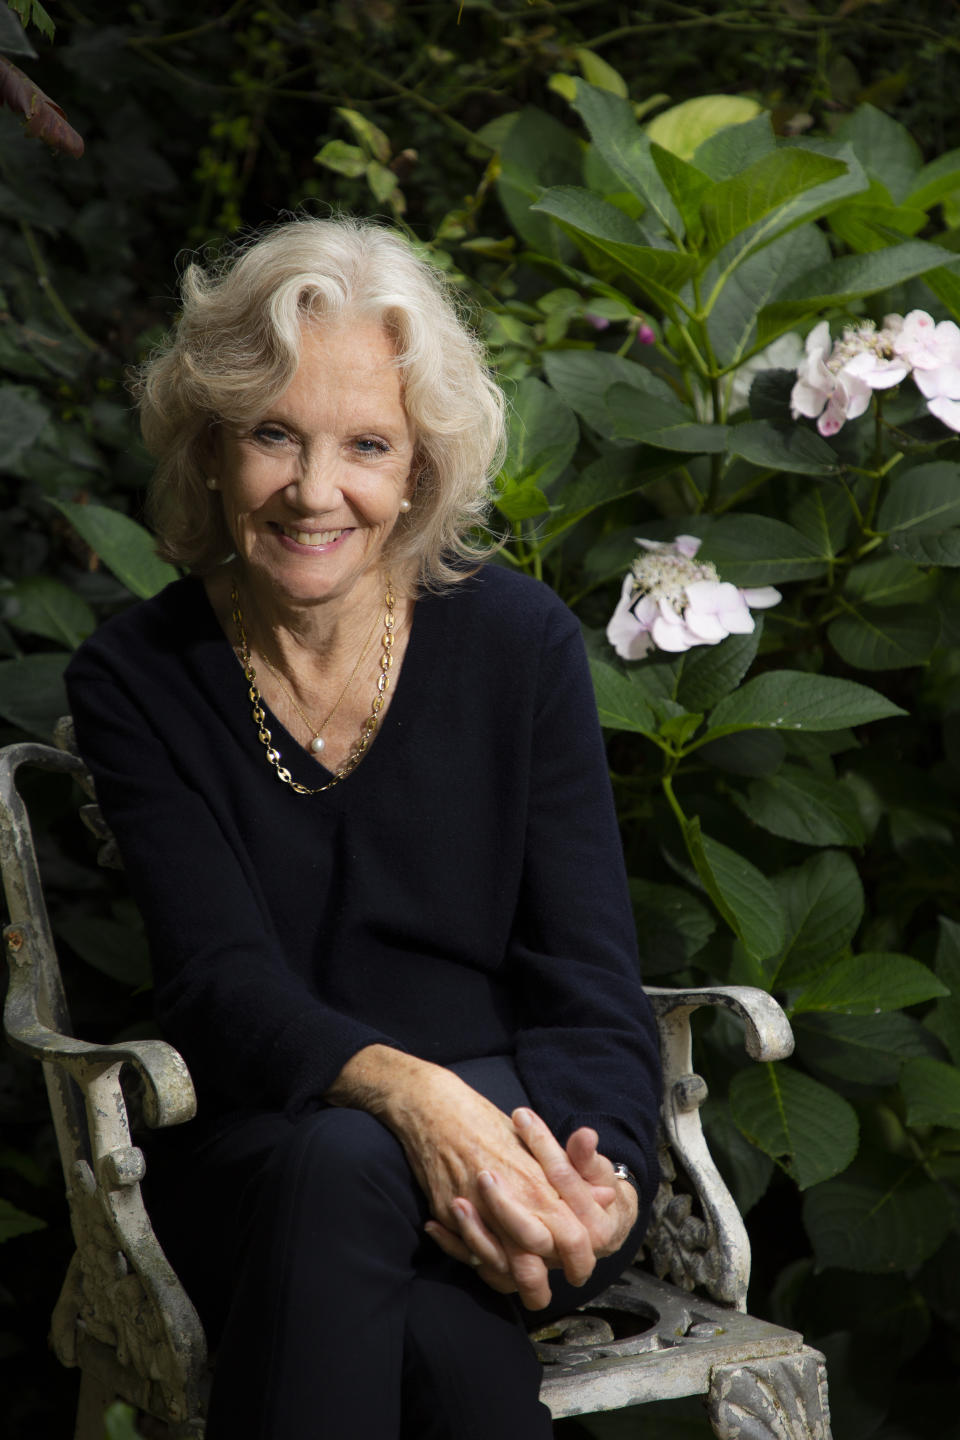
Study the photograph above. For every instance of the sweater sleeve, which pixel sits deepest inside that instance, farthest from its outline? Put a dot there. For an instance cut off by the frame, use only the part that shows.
(250, 1029)
(587, 1051)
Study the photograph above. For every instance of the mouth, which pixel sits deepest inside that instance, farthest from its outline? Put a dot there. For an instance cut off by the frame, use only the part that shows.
(310, 537)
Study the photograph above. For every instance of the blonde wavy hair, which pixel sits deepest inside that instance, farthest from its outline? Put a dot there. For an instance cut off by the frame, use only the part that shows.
(236, 346)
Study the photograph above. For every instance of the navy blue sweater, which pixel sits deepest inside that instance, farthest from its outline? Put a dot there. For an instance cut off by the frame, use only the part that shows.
(460, 894)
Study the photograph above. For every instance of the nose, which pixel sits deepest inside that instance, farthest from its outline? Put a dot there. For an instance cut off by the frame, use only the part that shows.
(314, 486)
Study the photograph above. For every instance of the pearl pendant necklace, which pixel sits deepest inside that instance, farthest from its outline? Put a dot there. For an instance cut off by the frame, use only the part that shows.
(318, 745)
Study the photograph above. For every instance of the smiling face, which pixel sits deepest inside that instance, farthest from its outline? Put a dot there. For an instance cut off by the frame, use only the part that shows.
(311, 489)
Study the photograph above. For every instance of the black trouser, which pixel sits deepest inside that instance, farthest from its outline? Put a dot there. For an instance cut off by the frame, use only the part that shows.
(343, 1320)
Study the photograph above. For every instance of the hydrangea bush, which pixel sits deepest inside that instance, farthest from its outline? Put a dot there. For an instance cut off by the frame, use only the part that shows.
(770, 413)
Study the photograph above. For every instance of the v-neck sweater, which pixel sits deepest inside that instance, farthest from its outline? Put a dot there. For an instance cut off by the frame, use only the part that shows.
(460, 894)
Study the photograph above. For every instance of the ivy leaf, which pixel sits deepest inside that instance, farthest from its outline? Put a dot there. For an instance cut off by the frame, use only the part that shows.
(870, 983)
(807, 1129)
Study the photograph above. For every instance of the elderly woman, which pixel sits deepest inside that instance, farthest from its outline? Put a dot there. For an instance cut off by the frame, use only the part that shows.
(358, 783)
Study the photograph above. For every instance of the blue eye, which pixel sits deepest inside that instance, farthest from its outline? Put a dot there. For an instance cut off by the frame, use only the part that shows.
(270, 434)
(367, 446)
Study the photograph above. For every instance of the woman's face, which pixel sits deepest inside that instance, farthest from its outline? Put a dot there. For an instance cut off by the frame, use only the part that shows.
(312, 488)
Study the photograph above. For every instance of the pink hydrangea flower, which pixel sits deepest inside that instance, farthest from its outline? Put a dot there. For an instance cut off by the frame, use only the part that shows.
(933, 351)
(671, 602)
(835, 381)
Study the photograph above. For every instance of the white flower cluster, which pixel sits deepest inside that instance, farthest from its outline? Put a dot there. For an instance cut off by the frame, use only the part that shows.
(835, 382)
(669, 602)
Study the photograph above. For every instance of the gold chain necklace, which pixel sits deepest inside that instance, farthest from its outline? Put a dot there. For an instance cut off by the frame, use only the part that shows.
(318, 744)
(369, 727)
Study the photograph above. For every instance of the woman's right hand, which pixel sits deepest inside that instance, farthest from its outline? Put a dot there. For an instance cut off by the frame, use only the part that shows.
(453, 1136)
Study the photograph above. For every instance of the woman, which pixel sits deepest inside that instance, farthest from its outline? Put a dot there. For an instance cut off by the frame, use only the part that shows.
(359, 787)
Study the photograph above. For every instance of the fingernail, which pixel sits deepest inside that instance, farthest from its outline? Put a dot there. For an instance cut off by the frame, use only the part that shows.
(523, 1117)
(485, 1180)
(459, 1208)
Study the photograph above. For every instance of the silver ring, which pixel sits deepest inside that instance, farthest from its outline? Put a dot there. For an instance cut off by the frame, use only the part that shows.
(475, 1260)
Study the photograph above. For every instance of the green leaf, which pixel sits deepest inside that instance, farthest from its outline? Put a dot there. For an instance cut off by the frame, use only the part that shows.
(597, 72)
(672, 926)
(870, 983)
(125, 547)
(837, 284)
(746, 1170)
(583, 378)
(120, 1422)
(32, 692)
(824, 517)
(861, 1049)
(641, 417)
(942, 550)
(931, 1089)
(626, 149)
(622, 701)
(732, 322)
(884, 639)
(41, 605)
(823, 903)
(520, 500)
(935, 181)
(709, 672)
(542, 436)
(755, 550)
(945, 1018)
(382, 181)
(807, 1129)
(889, 581)
(742, 894)
(659, 274)
(686, 126)
(799, 806)
(538, 151)
(864, 227)
(750, 753)
(879, 1218)
(686, 185)
(884, 148)
(736, 147)
(793, 700)
(370, 136)
(925, 500)
(345, 159)
(762, 193)
(22, 417)
(15, 1222)
(609, 478)
(115, 950)
(793, 449)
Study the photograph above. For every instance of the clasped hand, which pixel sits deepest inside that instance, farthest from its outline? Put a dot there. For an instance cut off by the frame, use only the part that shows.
(506, 1194)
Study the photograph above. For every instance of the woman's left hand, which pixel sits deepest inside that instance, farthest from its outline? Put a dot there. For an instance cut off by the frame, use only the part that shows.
(582, 1177)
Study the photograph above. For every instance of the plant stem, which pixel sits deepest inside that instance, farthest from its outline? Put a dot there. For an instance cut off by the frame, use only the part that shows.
(46, 285)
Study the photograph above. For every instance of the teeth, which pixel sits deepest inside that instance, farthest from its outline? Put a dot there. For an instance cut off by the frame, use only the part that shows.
(311, 537)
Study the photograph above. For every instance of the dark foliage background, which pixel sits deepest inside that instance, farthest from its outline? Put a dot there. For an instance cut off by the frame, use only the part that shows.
(199, 124)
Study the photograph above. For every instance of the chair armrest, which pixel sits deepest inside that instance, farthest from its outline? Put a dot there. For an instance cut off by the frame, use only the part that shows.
(168, 1093)
(768, 1034)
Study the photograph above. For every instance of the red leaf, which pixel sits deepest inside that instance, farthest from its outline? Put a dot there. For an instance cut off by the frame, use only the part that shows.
(44, 117)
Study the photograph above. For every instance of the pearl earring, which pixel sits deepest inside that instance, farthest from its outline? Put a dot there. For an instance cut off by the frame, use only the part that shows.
(404, 505)
(213, 483)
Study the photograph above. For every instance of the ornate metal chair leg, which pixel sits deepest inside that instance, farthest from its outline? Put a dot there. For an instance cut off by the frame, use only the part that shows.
(94, 1399)
(782, 1398)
